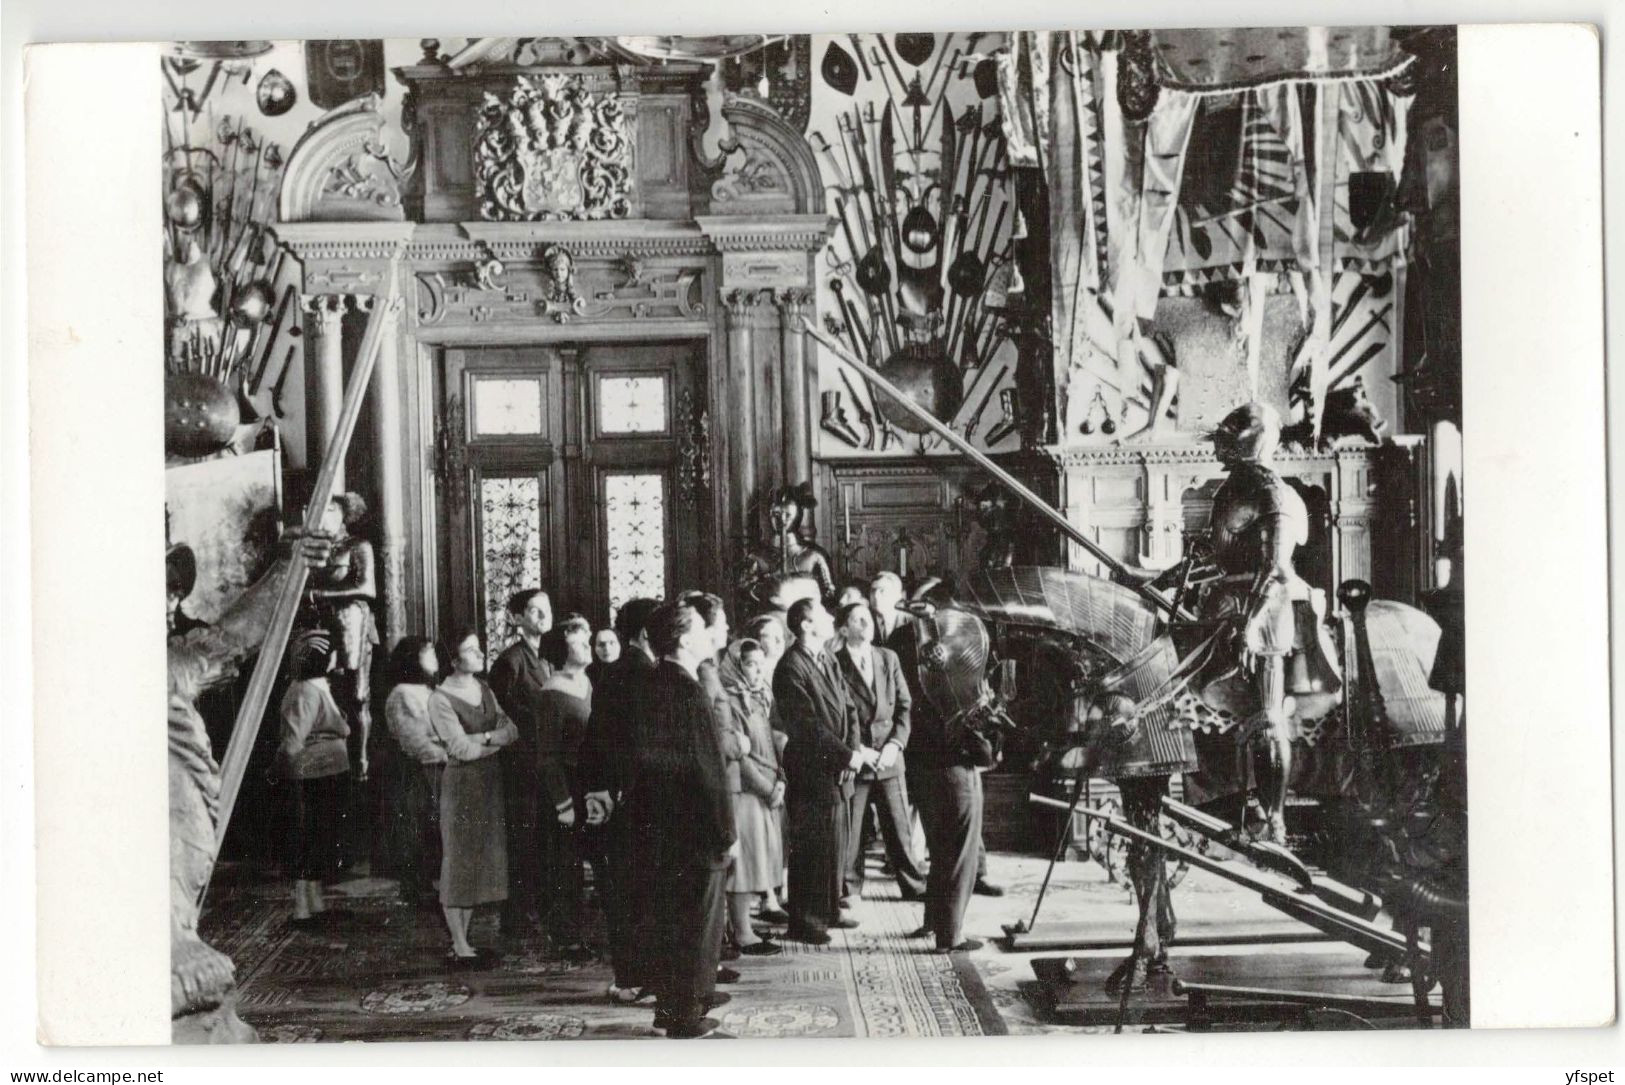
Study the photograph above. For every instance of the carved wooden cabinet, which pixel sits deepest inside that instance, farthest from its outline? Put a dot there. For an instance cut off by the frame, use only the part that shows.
(916, 517)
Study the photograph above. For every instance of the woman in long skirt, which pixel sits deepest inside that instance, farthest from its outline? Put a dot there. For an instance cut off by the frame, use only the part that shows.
(473, 829)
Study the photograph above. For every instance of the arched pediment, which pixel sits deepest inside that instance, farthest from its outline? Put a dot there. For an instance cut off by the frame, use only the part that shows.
(768, 167)
(341, 170)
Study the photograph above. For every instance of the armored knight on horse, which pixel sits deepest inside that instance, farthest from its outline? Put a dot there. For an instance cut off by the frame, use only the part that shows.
(1256, 667)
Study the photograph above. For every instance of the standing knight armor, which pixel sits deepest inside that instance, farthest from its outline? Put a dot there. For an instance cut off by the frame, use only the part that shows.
(1274, 631)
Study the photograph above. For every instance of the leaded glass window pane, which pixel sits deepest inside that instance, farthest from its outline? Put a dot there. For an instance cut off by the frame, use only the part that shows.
(632, 404)
(510, 540)
(635, 523)
(504, 406)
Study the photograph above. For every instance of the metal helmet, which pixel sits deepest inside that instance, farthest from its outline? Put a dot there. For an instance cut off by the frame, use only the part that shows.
(1248, 434)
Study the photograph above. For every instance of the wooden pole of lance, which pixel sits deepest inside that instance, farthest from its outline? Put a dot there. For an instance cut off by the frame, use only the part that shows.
(1049, 512)
(243, 734)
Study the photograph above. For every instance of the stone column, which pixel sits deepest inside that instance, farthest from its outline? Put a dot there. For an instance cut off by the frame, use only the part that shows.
(741, 308)
(794, 304)
(324, 351)
(388, 457)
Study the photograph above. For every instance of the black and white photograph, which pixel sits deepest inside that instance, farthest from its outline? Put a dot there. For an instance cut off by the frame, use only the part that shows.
(814, 535)
(821, 536)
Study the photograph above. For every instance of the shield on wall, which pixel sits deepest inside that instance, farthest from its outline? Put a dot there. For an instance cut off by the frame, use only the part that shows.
(341, 69)
(552, 181)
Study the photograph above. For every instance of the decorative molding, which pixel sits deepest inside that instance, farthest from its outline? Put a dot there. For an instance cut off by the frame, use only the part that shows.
(346, 279)
(469, 243)
(552, 149)
(341, 169)
(768, 233)
(1152, 455)
(451, 450)
(555, 287)
(693, 449)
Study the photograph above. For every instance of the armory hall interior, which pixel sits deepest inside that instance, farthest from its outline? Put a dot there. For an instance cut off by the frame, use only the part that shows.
(1079, 411)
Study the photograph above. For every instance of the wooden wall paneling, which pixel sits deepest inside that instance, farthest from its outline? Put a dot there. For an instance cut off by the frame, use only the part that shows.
(1143, 505)
(662, 156)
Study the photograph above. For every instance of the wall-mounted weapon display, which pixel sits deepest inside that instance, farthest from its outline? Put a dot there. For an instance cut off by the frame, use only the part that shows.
(920, 188)
(221, 178)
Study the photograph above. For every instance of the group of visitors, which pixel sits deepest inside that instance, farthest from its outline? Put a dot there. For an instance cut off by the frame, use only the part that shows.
(717, 785)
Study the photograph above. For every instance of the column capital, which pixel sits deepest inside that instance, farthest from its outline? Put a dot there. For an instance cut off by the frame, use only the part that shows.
(793, 301)
(742, 306)
(327, 308)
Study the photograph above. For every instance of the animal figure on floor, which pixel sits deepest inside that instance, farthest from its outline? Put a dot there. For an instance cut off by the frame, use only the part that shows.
(1137, 700)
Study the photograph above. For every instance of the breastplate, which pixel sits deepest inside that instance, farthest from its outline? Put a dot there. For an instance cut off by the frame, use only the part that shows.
(1252, 500)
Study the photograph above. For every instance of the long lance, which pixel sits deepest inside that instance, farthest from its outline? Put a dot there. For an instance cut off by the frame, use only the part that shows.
(1307, 910)
(926, 418)
(235, 762)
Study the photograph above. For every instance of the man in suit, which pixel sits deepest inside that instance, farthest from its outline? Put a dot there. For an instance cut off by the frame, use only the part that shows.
(892, 624)
(874, 681)
(820, 758)
(516, 679)
(945, 783)
(682, 823)
(606, 772)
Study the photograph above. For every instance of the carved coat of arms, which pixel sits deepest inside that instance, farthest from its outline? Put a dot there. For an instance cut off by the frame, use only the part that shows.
(551, 149)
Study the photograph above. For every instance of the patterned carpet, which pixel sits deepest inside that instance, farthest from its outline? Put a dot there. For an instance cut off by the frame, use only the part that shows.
(379, 973)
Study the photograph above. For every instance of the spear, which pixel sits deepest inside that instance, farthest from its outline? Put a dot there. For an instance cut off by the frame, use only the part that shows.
(235, 762)
(935, 425)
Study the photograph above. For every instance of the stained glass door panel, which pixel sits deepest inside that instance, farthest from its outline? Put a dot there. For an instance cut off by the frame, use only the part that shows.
(511, 540)
(636, 529)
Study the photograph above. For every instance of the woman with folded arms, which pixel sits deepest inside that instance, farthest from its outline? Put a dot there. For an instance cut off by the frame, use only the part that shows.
(473, 827)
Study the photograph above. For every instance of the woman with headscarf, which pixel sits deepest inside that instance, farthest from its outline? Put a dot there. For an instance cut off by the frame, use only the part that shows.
(757, 783)
(312, 753)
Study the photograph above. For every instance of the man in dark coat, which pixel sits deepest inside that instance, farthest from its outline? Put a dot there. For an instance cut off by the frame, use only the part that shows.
(681, 817)
(517, 678)
(606, 773)
(820, 758)
(946, 786)
(874, 680)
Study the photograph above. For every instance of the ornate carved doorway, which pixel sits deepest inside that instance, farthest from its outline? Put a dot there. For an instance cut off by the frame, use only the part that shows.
(576, 467)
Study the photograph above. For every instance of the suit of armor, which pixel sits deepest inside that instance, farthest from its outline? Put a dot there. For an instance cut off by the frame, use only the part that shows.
(1258, 522)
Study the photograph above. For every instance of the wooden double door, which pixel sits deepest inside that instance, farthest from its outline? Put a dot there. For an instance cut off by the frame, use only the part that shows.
(578, 468)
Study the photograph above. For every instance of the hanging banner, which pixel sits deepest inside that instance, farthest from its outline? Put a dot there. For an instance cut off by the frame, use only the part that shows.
(1232, 59)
